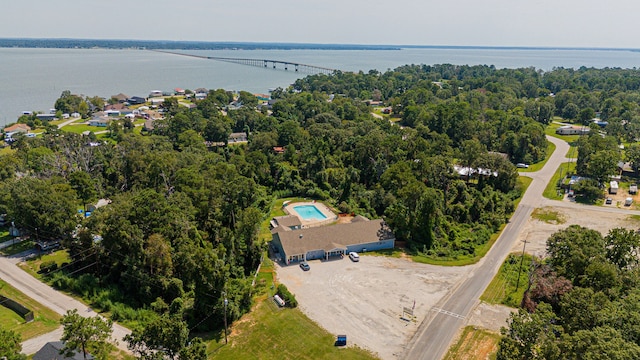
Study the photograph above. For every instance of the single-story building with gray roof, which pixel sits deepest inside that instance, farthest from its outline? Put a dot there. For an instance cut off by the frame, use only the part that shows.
(334, 240)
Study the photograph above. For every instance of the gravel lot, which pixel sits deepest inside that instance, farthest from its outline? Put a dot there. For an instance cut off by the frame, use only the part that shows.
(537, 232)
(364, 300)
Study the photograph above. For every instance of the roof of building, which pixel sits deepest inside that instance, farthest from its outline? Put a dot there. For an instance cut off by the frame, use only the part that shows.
(288, 220)
(51, 351)
(17, 127)
(120, 97)
(335, 236)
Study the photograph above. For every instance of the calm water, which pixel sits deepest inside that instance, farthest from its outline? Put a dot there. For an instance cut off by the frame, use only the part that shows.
(309, 212)
(32, 79)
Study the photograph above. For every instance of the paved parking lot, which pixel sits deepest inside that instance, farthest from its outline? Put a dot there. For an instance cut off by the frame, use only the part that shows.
(364, 300)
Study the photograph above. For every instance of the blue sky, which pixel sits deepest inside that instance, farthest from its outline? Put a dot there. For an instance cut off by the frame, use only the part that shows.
(567, 23)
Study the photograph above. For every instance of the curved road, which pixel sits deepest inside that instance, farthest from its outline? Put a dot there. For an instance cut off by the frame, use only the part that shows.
(434, 335)
(54, 300)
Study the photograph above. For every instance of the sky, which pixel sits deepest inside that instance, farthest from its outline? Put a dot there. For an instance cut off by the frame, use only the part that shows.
(546, 23)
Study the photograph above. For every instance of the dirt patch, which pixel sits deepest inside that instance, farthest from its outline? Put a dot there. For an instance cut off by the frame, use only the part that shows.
(536, 232)
(475, 344)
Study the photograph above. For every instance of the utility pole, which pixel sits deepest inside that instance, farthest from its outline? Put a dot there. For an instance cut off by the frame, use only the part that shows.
(524, 244)
(226, 302)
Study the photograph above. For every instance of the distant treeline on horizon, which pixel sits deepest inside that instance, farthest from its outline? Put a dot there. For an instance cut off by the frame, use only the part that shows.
(178, 45)
(65, 43)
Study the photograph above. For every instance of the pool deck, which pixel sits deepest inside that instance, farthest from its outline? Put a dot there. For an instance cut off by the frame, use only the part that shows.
(324, 209)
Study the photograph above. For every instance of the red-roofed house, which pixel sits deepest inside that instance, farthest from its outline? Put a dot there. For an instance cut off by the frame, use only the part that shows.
(23, 128)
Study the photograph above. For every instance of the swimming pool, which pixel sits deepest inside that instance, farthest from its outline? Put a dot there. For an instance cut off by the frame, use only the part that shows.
(309, 212)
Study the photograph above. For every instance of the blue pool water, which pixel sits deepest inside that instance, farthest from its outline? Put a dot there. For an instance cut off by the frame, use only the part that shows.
(309, 212)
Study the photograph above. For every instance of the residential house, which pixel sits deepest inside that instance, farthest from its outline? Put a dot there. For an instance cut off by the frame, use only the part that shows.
(17, 128)
(572, 130)
(100, 121)
(136, 100)
(155, 93)
(237, 137)
(178, 91)
(51, 351)
(120, 97)
(46, 117)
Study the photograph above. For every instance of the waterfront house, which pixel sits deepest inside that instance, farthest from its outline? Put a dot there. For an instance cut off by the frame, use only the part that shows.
(155, 93)
(178, 91)
(17, 128)
(120, 97)
(136, 100)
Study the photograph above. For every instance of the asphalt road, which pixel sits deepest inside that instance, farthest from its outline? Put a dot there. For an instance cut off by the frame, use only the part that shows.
(434, 336)
(51, 298)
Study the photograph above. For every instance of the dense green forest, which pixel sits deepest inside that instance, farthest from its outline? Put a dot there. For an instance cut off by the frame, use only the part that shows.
(582, 303)
(181, 231)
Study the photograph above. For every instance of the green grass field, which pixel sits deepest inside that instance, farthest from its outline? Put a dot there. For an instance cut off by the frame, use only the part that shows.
(474, 344)
(32, 266)
(80, 128)
(553, 191)
(45, 320)
(505, 288)
(270, 332)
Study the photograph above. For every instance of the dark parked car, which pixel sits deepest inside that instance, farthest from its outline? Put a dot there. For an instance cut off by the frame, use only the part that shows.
(304, 266)
(609, 201)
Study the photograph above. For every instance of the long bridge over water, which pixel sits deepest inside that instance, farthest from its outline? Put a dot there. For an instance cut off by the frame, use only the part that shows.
(264, 63)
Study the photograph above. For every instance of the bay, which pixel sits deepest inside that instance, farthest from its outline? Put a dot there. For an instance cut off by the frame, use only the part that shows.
(32, 79)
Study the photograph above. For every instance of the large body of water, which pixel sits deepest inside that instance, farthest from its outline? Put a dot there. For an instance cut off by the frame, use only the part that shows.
(32, 79)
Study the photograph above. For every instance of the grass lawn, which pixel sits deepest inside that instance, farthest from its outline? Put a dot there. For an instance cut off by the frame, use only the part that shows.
(276, 210)
(474, 344)
(80, 128)
(481, 251)
(553, 190)
(4, 235)
(502, 289)
(551, 147)
(269, 332)
(45, 320)
(32, 266)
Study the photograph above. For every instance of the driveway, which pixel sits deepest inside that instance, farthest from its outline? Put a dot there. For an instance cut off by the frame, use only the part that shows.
(364, 300)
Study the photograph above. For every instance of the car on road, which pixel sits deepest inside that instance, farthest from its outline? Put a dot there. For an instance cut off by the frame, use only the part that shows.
(304, 266)
(354, 256)
(609, 201)
(522, 165)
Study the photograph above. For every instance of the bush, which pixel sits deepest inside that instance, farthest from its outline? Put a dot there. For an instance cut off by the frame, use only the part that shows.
(287, 296)
(48, 266)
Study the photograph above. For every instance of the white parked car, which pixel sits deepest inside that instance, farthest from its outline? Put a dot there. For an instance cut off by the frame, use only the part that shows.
(522, 165)
(354, 256)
